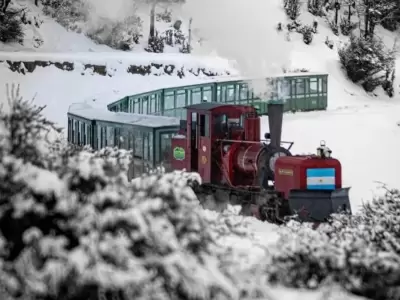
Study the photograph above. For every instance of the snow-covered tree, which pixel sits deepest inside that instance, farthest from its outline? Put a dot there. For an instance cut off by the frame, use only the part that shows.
(360, 252)
(11, 29)
(367, 61)
(73, 227)
(155, 41)
(292, 8)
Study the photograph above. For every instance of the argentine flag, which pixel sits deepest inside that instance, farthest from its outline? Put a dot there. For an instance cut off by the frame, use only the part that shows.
(321, 179)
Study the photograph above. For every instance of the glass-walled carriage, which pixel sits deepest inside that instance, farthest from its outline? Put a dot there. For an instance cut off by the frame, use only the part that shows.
(149, 137)
(301, 92)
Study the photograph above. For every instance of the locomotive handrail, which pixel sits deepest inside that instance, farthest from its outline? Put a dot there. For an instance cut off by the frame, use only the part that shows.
(255, 142)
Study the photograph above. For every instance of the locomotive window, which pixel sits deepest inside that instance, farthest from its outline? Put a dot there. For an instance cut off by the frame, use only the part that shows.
(220, 124)
(241, 121)
(204, 125)
(194, 121)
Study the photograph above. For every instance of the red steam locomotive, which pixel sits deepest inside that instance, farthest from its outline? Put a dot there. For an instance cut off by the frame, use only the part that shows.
(222, 143)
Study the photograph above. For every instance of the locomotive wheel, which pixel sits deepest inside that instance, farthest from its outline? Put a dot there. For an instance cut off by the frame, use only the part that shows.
(215, 201)
(274, 211)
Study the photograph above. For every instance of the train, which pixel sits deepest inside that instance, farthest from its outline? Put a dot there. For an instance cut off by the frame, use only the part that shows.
(221, 142)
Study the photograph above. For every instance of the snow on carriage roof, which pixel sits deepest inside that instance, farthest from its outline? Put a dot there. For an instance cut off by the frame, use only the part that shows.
(84, 110)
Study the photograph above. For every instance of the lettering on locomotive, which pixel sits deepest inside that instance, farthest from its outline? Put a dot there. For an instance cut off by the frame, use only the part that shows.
(287, 172)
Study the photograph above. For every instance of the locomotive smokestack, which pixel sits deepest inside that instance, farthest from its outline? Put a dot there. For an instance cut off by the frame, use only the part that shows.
(275, 118)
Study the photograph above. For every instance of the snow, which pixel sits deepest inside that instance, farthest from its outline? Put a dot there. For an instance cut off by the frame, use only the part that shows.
(122, 60)
(85, 110)
(361, 129)
(59, 89)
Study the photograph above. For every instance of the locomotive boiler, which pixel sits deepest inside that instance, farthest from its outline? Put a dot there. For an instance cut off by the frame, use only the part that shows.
(222, 143)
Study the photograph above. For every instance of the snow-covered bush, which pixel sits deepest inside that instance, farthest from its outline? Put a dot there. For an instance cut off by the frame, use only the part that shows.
(366, 61)
(73, 227)
(156, 44)
(11, 29)
(292, 8)
(294, 25)
(360, 252)
(307, 32)
(346, 26)
(165, 16)
(121, 35)
(329, 43)
(315, 7)
(333, 26)
(173, 37)
(390, 24)
(66, 12)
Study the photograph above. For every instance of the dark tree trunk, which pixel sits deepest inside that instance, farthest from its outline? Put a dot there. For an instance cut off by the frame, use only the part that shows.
(367, 19)
(4, 5)
(152, 19)
(349, 13)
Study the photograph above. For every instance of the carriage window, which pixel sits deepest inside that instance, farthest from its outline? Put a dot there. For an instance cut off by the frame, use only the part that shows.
(69, 130)
(196, 96)
(207, 94)
(230, 93)
(243, 92)
(136, 104)
(165, 146)
(169, 99)
(181, 98)
(145, 105)
(300, 88)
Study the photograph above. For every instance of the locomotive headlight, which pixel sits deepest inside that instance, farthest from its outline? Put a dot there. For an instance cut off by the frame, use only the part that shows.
(328, 152)
(320, 151)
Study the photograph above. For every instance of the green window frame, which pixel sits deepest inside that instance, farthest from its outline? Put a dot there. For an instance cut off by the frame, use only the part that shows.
(180, 98)
(207, 94)
(169, 100)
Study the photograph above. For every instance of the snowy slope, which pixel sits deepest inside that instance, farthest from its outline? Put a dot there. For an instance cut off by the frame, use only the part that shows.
(55, 38)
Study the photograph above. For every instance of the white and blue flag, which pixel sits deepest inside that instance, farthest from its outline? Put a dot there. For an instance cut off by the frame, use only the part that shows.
(321, 179)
